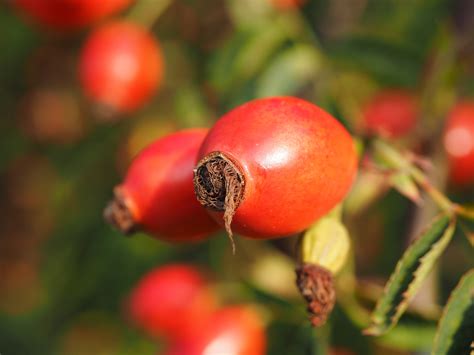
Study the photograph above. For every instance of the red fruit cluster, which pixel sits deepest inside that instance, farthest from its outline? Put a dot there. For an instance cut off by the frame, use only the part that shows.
(270, 167)
(391, 113)
(273, 166)
(459, 143)
(157, 194)
(121, 66)
(69, 14)
(176, 303)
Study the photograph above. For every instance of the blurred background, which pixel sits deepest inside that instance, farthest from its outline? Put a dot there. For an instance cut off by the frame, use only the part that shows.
(65, 274)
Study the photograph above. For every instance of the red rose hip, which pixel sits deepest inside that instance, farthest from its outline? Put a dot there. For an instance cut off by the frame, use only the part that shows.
(157, 195)
(459, 143)
(171, 301)
(287, 4)
(121, 66)
(69, 14)
(391, 113)
(271, 167)
(236, 330)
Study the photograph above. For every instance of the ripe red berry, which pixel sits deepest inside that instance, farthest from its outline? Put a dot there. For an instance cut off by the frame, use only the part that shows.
(171, 301)
(277, 163)
(157, 195)
(236, 330)
(459, 143)
(69, 14)
(121, 66)
(391, 113)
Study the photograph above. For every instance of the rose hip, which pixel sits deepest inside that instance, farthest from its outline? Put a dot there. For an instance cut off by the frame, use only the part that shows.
(236, 330)
(391, 113)
(171, 301)
(69, 14)
(121, 66)
(157, 195)
(273, 166)
(459, 143)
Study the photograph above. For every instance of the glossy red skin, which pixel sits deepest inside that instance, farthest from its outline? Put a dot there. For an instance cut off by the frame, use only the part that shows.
(159, 190)
(461, 155)
(121, 66)
(235, 330)
(297, 160)
(69, 14)
(171, 301)
(391, 113)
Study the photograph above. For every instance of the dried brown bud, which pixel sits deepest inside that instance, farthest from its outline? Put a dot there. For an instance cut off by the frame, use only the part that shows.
(316, 286)
(118, 214)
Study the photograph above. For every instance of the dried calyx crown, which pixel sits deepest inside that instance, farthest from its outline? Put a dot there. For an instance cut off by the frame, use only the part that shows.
(219, 186)
(118, 213)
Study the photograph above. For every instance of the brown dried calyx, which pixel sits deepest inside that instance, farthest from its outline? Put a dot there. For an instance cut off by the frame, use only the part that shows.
(316, 286)
(219, 186)
(119, 215)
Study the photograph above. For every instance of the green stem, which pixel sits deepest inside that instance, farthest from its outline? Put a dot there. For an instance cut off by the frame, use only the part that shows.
(464, 212)
(396, 160)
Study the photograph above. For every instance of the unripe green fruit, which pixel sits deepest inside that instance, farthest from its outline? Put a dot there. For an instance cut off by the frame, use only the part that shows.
(326, 244)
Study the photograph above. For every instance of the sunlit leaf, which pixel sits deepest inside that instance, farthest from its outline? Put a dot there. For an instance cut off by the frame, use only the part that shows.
(409, 274)
(404, 184)
(455, 333)
(245, 55)
(289, 71)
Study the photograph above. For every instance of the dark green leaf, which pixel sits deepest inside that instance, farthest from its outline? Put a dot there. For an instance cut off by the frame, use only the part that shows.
(409, 274)
(390, 62)
(455, 333)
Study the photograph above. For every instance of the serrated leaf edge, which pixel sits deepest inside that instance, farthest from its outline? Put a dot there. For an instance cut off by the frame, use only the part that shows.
(376, 327)
(467, 275)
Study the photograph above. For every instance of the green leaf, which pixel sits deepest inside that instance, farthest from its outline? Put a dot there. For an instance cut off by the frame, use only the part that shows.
(410, 337)
(404, 184)
(289, 71)
(392, 63)
(244, 56)
(455, 333)
(409, 274)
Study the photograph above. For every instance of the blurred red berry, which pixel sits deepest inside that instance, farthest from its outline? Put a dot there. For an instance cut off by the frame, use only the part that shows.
(236, 330)
(340, 351)
(157, 195)
(69, 14)
(287, 4)
(391, 113)
(171, 301)
(121, 66)
(459, 143)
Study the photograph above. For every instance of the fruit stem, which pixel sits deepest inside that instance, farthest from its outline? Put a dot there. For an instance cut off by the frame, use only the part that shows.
(464, 211)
